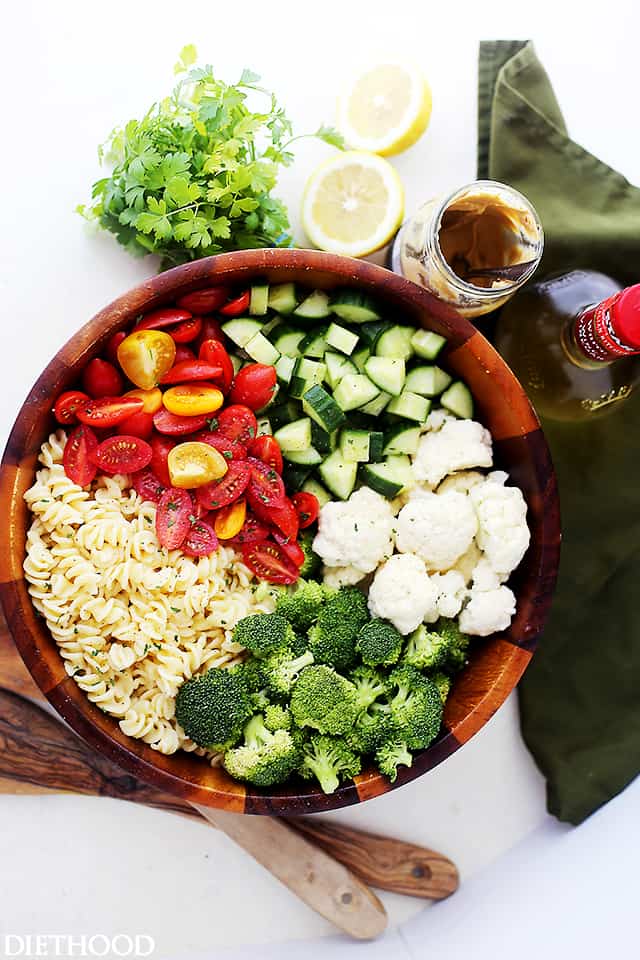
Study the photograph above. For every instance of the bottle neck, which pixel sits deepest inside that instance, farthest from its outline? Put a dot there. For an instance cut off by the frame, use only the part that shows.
(597, 335)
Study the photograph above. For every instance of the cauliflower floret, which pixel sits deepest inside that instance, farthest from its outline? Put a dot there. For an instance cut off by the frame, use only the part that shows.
(487, 611)
(466, 564)
(451, 591)
(437, 419)
(462, 482)
(402, 592)
(485, 577)
(336, 577)
(503, 533)
(439, 528)
(458, 445)
(357, 533)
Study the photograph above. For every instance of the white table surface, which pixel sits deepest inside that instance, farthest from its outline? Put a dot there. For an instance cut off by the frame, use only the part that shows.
(70, 72)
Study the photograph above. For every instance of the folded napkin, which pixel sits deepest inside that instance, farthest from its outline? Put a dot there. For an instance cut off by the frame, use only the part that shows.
(580, 698)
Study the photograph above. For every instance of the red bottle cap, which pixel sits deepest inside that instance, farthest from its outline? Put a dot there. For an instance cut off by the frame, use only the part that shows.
(625, 316)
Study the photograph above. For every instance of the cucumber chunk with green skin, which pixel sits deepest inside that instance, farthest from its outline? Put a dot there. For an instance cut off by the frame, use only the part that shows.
(295, 476)
(402, 439)
(295, 435)
(314, 307)
(337, 367)
(313, 371)
(388, 373)
(376, 446)
(307, 458)
(282, 413)
(390, 477)
(284, 369)
(355, 390)
(259, 302)
(271, 327)
(321, 440)
(338, 475)
(354, 306)
(377, 405)
(341, 339)
(411, 406)
(322, 408)
(287, 341)
(312, 486)
(427, 381)
(241, 331)
(371, 332)
(261, 350)
(314, 344)
(427, 344)
(282, 298)
(458, 400)
(395, 342)
(354, 445)
(236, 362)
(360, 358)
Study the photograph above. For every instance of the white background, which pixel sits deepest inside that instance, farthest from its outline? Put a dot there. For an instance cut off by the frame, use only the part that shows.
(70, 72)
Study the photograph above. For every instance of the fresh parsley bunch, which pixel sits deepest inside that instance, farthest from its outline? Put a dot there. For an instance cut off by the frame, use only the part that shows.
(194, 176)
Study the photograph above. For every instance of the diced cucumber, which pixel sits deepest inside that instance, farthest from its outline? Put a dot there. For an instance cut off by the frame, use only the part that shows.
(395, 342)
(314, 307)
(411, 406)
(287, 341)
(295, 435)
(270, 327)
(321, 440)
(360, 357)
(339, 475)
(354, 306)
(322, 408)
(314, 344)
(388, 373)
(237, 362)
(295, 476)
(306, 458)
(427, 344)
(390, 477)
(401, 439)
(377, 405)
(371, 332)
(341, 339)
(312, 486)
(284, 369)
(306, 373)
(337, 367)
(283, 413)
(427, 381)
(282, 298)
(354, 390)
(241, 330)
(261, 350)
(264, 427)
(354, 445)
(259, 301)
(458, 400)
(376, 445)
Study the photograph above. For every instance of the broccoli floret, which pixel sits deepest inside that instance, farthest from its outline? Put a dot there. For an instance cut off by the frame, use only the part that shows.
(302, 605)
(264, 758)
(277, 717)
(379, 643)
(212, 708)
(312, 562)
(300, 644)
(282, 668)
(427, 648)
(457, 653)
(262, 633)
(250, 672)
(443, 683)
(324, 700)
(371, 728)
(328, 760)
(370, 684)
(416, 707)
(391, 755)
(333, 638)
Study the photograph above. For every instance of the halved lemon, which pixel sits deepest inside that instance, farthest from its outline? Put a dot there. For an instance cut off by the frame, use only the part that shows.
(353, 203)
(386, 109)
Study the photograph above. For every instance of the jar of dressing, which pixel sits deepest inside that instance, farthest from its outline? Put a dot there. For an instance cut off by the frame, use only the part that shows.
(473, 248)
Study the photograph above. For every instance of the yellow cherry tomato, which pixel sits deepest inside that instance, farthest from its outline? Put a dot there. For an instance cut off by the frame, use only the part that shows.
(190, 399)
(230, 520)
(145, 356)
(193, 464)
(152, 399)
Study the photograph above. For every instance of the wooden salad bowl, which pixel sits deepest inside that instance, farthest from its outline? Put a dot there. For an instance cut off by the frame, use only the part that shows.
(496, 664)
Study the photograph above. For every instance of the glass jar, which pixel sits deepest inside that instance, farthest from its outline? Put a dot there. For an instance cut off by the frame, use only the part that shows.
(483, 226)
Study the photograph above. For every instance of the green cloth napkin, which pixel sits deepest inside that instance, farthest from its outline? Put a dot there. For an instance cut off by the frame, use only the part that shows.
(580, 698)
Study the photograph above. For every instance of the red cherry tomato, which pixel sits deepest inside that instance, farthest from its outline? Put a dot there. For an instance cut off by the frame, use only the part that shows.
(175, 425)
(137, 425)
(77, 458)
(238, 423)
(173, 517)
(187, 331)
(252, 531)
(111, 348)
(230, 449)
(165, 317)
(122, 454)
(160, 450)
(201, 540)
(108, 411)
(101, 379)
(204, 301)
(67, 404)
(191, 370)
(266, 449)
(146, 485)
(266, 560)
(211, 330)
(213, 351)
(284, 517)
(183, 353)
(307, 508)
(265, 485)
(227, 489)
(291, 549)
(237, 306)
(254, 386)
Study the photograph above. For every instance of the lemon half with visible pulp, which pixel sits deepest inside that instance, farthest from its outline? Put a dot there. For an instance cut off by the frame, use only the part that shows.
(353, 204)
(386, 109)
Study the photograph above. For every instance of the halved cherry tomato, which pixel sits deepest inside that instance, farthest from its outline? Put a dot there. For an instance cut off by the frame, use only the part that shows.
(230, 449)
(211, 330)
(238, 423)
(170, 424)
(77, 458)
(265, 485)
(284, 517)
(66, 405)
(267, 561)
(164, 317)
(137, 425)
(307, 508)
(213, 351)
(161, 448)
(187, 331)
(145, 355)
(146, 485)
(183, 353)
(194, 464)
(151, 399)
(291, 549)
(192, 399)
(112, 344)
(173, 517)
(201, 540)
(204, 301)
(101, 379)
(254, 386)
(108, 411)
(266, 449)
(222, 492)
(252, 531)
(233, 308)
(230, 520)
(191, 370)
(122, 454)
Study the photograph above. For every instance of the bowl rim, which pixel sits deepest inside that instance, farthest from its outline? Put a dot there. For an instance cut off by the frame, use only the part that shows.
(20, 455)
